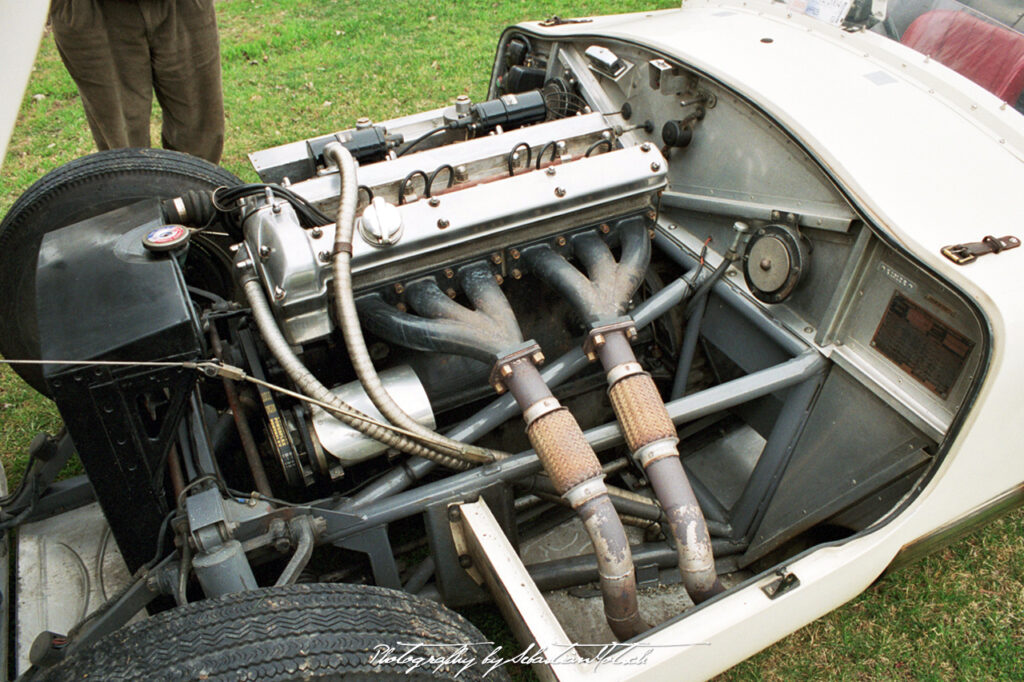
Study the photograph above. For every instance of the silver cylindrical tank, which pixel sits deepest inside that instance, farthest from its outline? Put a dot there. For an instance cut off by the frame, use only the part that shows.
(348, 445)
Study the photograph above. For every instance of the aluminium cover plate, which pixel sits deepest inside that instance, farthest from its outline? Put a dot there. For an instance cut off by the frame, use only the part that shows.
(68, 565)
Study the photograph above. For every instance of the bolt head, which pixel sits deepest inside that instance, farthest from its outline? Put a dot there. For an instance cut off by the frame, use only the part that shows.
(560, 241)
(516, 273)
(591, 357)
(550, 170)
(559, 192)
(514, 253)
(645, 147)
(264, 251)
(655, 166)
(401, 307)
(605, 229)
(399, 289)
(505, 371)
(434, 202)
(324, 256)
(496, 258)
(450, 293)
(499, 388)
(499, 279)
(316, 232)
(442, 223)
(538, 358)
(598, 340)
(449, 273)
(279, 293)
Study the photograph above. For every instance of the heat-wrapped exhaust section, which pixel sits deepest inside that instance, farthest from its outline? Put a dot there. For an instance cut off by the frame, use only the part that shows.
(576, 473)
(601, 297)
(490, 332)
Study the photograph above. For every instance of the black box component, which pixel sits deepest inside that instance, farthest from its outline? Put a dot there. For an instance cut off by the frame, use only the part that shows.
(101, 296)
(510, 111)
(367, 145)
(521, 78)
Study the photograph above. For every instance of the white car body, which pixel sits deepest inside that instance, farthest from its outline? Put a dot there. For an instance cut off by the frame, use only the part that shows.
(929, 159)
(948, 164)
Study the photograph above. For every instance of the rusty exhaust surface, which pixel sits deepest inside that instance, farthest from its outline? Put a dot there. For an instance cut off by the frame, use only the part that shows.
(489, 331)
(651, 437)
(576, 474)
(601, 299)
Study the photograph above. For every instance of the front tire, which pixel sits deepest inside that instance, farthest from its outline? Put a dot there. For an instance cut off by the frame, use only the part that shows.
(81, 189)
(297, 632)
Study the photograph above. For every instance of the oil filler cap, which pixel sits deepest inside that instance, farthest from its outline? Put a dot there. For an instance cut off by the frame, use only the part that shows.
(381, 223)
(166, 238)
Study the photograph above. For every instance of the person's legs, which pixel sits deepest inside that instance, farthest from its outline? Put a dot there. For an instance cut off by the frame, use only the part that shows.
(131, 50)
(80, 32)
(186, 75)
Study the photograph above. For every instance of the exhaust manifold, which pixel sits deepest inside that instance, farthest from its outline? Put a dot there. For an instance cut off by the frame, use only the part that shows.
(490, 332)
(601, 297)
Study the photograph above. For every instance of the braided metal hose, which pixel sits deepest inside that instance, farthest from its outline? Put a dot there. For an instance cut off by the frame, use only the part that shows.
(348, 319)
(309, 385)
(576, 474)
(652, 438)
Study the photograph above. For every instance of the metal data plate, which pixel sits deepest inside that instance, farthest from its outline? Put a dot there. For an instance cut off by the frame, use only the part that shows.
(894, 349)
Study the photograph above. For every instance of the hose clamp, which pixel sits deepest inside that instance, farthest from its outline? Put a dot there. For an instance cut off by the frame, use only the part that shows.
(582, 493)
(539, 409)
(620, 372)
(179, 206)
(655, 450)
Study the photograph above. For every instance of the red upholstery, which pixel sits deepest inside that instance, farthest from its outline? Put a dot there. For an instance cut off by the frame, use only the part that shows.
(990, 55)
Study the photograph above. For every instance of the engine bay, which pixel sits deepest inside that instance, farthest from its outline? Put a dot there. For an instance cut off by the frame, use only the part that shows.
(614, 301)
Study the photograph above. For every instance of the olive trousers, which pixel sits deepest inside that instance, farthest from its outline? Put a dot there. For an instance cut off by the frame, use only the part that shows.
(119, 52)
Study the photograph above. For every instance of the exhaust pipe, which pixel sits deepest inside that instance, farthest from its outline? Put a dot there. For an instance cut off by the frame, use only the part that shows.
(490, 332)
(576, 474)
(602, 299)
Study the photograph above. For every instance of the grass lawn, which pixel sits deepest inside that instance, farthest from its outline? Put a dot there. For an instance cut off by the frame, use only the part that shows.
(298, 69)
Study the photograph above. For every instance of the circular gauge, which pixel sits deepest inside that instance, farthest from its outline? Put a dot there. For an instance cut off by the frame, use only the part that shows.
(775, 260)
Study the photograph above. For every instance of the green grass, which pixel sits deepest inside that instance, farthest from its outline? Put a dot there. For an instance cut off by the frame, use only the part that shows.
(297, 69)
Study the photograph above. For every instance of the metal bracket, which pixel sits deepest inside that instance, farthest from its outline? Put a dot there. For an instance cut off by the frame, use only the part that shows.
(556, 20)
(784, 583)
(462, 544)
(600, 330)
(502, 369)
